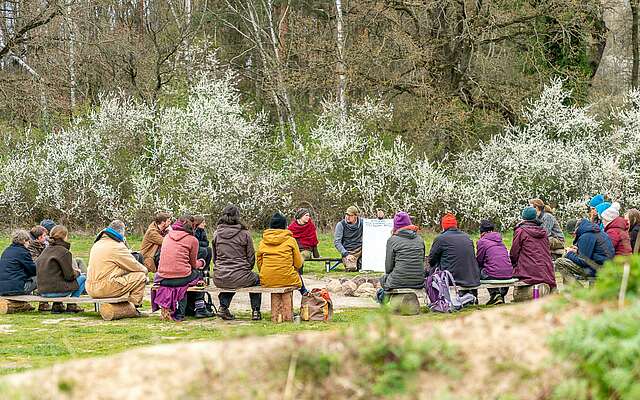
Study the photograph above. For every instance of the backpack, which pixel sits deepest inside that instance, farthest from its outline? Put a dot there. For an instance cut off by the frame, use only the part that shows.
(437, 287)
(316, 306)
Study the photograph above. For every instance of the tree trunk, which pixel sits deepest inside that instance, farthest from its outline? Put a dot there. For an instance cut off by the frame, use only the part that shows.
(635, 4)
(113, 311)
(341, 68)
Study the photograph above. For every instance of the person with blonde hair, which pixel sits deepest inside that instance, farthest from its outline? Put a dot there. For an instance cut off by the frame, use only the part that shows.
(633, 219)
(549, 223)
(56, 271)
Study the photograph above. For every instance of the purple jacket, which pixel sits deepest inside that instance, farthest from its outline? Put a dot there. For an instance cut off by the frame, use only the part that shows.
(493, 257)
(530, 255)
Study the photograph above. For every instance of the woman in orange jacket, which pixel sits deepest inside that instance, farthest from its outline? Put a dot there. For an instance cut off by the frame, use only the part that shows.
(278, 256)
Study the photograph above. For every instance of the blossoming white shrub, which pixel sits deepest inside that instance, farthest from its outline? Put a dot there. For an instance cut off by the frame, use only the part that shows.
(127, 160)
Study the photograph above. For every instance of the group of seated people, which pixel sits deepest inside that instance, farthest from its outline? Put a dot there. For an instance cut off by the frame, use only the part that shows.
(180, 255)
(598, 238)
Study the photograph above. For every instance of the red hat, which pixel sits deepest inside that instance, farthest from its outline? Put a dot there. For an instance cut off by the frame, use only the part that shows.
(449, 221)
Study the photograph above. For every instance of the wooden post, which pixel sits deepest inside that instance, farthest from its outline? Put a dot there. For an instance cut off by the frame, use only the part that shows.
(281, 307)
(11, 306)
(112, 311)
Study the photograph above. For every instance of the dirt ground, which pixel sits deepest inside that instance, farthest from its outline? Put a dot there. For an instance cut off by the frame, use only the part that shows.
(504, 351)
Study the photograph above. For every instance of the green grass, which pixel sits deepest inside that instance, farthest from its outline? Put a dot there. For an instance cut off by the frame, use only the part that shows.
(33, 339)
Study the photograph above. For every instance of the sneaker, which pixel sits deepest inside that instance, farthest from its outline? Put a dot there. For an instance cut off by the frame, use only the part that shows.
(44, 307)
(495, 299)
(74, 308)
(57, 308)
(256, 315)
(203, 313)
(225, 314)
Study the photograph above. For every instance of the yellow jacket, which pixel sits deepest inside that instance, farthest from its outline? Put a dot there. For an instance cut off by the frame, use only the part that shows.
(279, 259)
(109, 263)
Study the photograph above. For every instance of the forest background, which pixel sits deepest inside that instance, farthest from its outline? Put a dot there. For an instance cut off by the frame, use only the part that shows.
(120, 108)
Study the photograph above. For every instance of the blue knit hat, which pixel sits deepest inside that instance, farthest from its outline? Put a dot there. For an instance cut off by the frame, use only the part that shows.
(602, 206)
(596, 200)
(47, 224)
(529, 214)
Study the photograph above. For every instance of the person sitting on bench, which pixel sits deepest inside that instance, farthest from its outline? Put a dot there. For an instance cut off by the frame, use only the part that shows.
(304, 232)
(404, 261)
(592, 247)
(17, 269)
(278, 257)
(38, 242)
(179, 269)
(617, 228)
(549, 223)
(347, 239)
(204, 250)
(57, 274)
(493, 260)
(453, 251)
(233, 261)
(152, 240)
(531, 256)
(113, 271)
(47, 224)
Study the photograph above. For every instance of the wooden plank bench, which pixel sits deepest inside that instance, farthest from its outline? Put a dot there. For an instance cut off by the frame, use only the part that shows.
(496, 284)
(113, 307)
(281, 298)
(330, 263)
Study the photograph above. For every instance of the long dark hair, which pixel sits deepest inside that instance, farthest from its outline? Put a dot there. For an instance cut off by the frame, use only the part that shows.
(634, 217)
(231, 216)
(186, 220)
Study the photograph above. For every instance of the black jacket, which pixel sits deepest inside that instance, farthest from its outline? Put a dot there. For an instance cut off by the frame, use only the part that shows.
(453, 251)
(201, 235)
(404, 264)
(16, 266)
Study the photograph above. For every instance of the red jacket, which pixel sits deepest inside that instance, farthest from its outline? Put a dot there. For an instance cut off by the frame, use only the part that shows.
(179, 255)
(305, 234)
(618, 232)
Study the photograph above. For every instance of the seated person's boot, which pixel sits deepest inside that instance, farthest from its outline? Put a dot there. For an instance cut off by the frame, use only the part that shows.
(44, 307)
(74, 308)
(57, 308)
(203, 312)
(224, 313)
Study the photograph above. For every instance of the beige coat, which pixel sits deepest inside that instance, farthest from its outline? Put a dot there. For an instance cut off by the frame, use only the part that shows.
(113, 271)
(151, 242)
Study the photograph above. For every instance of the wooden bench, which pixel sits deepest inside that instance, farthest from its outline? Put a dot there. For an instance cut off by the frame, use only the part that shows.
(330, 263)
(112, 308)
(496, 284)
(281, 298)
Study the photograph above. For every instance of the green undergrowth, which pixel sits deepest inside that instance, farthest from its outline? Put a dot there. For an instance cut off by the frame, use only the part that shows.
(383, 360)
(602, 352)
